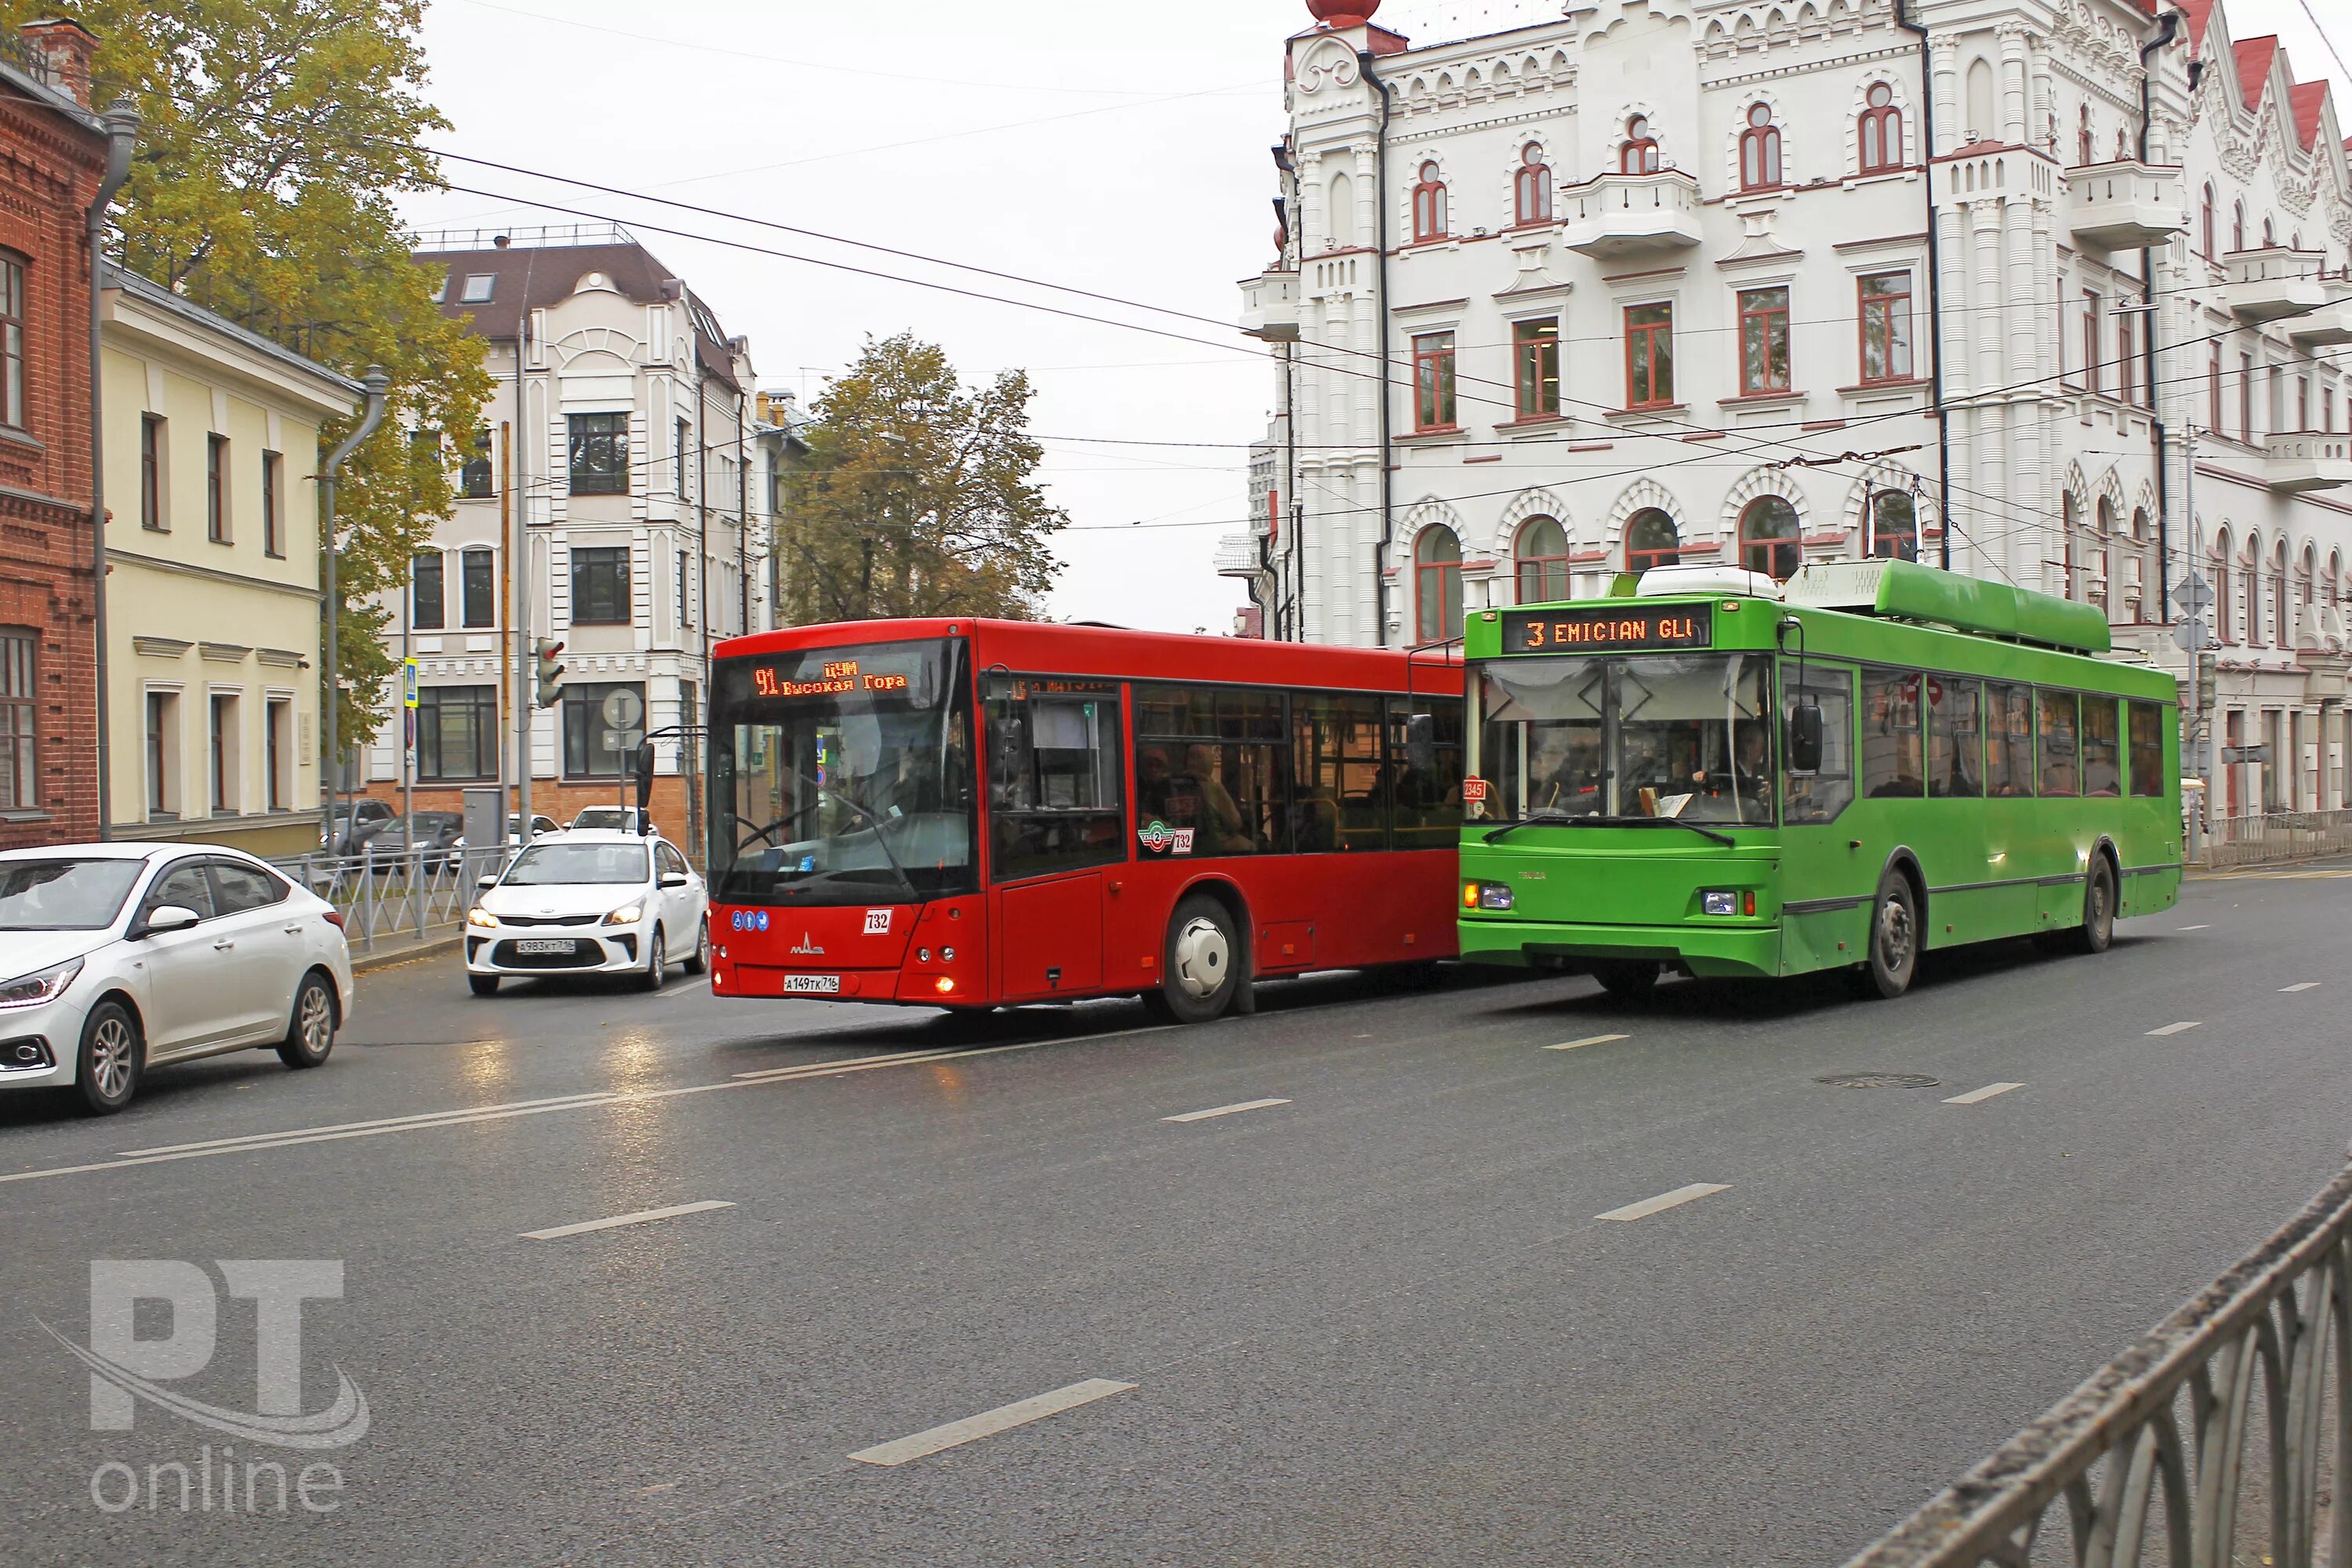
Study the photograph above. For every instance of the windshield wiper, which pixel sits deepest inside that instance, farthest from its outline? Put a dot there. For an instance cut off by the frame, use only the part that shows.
(880, 837)
(1722, 838)
(1530, 821)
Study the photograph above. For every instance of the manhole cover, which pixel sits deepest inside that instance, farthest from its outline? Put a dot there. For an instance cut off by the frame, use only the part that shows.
(1880, 1080)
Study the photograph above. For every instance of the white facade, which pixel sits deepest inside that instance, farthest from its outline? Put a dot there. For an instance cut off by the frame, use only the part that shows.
(1506, 190)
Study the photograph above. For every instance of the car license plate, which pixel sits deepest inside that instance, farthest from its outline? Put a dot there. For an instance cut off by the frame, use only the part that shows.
(819, 985)
(544, 945)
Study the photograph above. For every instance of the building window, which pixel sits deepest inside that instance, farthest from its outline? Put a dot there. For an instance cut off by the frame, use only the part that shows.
(2213, 388)
(1536, 347)
(1652, 539)
(426, 613)
(1650, 355)
(1531, 187)
(1763, 340)
(2237, 226)
(2246, 398)
(278, 750)
(1433, 381)
(225, 746)
(457, 732)
(18, 779)
(273, 521)
(1770, 541)
(474, 477)
(591, 749)
(1759, 151)
(2070, 524)
(600, 587)
(1542, 562)
(1429, 205)
(1882, 131)
(2205, 219)
(12, 341)
(2127, 358)
(599, 456)
(216, 489)
(477, 288)
(2093, 376)
(163, 754)
(151, 472)
(2302, 403)
(2281, 636)
(685, 611)
(1893, 527)
(681, 437)
(2224, 614)
(479, 588)
(1437, 586)
(1885, 305)
(1638, 154)
(2269, 234)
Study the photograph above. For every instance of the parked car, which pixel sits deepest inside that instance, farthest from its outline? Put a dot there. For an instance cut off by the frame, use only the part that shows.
(128, 956)
(438, 834)
(539, 824)
(354, 824)
(620, 818)
(591, 901)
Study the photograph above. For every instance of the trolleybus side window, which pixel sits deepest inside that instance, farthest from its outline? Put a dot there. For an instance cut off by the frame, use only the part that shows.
(1336, 799)
(1209, 768)
(1425, 771)
(2009, 740)
(2060, 774)
(1891, 764)
(1053, 775)
(1821, 795)
(2102, 773)
(2147, 748)
(1955, 739)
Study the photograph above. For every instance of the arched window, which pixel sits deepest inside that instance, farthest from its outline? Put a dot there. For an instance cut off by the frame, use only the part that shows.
(1639, 152)
(1881, 130)
(2070, 526)
(2269, 234)
(1759, 150)
(1532, 186)
(1652, 539)
(2282, 629)
(1769, 540)
(2205, 219)
(1339, 211)
(1429, 205)
(2238, 226)
(2306, 621)
(2335, 579)
(2253, 617)
(1542, 559)
(2136, 589)
(1893, 527)
(1437, 586)
(2101, 542)
(2084, 151)
(2225, 617)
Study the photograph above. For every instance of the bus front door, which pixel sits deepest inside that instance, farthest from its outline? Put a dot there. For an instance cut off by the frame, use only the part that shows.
(1050, 935)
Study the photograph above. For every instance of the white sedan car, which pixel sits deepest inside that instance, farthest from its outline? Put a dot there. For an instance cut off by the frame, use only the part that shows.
(120, 957)
(590, 901)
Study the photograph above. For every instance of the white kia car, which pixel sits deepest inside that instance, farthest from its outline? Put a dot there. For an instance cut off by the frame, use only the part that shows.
(590, 901)
(122, 957)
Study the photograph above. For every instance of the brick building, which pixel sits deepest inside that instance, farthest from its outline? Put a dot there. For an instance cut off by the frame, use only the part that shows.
(54, 168)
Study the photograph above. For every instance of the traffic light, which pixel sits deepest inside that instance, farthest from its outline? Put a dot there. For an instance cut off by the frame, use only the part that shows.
(551, 674)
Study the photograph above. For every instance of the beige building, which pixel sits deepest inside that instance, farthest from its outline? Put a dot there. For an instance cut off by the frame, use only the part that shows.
(212, 592)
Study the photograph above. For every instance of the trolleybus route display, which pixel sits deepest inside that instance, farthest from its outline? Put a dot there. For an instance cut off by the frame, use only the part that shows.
(1614, 625)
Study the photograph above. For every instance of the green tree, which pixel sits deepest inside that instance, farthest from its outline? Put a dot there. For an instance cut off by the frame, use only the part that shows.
(917, 496)
(275, 136)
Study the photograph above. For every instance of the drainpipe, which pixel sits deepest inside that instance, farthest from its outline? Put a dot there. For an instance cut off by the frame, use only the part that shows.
(122, 132)
(2167, 28)
(1388, 478)
(375, 381)
(1935, 289)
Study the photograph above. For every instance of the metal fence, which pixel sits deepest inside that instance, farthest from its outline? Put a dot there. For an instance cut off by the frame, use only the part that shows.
(2242, 1396)
(400, 893)
(2275, 836)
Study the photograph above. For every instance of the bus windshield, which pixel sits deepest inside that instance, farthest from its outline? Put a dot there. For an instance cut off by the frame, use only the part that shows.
(1685, 736)
(841, 776)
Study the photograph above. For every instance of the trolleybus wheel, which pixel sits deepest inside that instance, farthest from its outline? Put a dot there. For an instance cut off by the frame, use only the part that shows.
(1199, 971)
(1627, 979)
(1893, 956)
(2098, 929)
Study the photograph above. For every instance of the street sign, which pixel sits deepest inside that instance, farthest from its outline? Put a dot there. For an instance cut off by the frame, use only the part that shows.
(623, 709)
(2191, 635)
(408, 677)
(2194, 596)
(623, 740)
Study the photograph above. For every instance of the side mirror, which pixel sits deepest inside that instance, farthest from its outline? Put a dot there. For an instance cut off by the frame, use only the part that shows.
(485, 883)
(673, 879)
(1805, 736)
(165, 918)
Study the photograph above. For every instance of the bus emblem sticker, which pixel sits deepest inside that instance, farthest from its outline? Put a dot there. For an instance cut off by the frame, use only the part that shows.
(1161, 839)
(877, 922)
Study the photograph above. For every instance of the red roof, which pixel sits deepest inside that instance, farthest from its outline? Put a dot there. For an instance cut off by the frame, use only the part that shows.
(2200, 13)
(2254, 66)
(2307, 98)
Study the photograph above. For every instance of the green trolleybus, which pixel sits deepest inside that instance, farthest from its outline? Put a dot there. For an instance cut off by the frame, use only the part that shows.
(1713, 772)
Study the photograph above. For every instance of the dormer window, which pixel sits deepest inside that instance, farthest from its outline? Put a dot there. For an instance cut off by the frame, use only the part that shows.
(478, 288)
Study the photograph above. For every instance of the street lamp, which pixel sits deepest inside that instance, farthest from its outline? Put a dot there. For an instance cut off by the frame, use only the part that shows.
(375, 381)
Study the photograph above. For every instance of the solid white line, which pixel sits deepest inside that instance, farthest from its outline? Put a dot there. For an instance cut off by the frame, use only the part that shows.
(2305, 985)
(2177, 1028)
(1588, 1041)
(990, 1421)
(388, 1121)
(642, 1216)
(1978, 1096)
(810, 1069)
(2196, 928)
(1665, 1201)
(1225, 1110)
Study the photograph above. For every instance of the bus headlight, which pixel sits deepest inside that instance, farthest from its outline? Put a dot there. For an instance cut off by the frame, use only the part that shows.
(1724, 902)
(1485, 896)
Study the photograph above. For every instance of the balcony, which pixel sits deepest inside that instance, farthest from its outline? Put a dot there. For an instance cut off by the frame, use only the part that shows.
(1627, 215)
(1270, 307)
(1237, 555)
(2126, 204)
(2332, 325)
(2299, 461)
(2273, 282)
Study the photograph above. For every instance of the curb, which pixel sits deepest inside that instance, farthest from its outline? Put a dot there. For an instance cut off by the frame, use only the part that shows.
(361, 963)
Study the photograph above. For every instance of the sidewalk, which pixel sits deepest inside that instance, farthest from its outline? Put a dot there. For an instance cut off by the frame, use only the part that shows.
(405, 947)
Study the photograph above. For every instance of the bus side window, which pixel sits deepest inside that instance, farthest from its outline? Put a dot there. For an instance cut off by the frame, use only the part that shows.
(1338, 791)
(2009, 740)
(1821, 795)
(2147, 748)
(1052, 778)
(1209, 767)
(1955, 739)
(2060, 772)
(2102, 773)
(1890, 734)
(1426, 770)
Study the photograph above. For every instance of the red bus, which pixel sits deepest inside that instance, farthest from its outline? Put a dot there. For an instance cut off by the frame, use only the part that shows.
(971, 813)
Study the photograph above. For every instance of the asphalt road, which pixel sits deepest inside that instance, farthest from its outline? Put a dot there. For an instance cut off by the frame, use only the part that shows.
(1374, 1323)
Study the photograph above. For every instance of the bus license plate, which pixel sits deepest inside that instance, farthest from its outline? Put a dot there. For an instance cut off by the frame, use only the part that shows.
(545, 945)
(818, 985)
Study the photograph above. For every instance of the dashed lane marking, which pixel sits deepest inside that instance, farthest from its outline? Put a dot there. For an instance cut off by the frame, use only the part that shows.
(2177, 1028)
(1225, 1109)
(643, 1216)
(988, 1423)
(1588, 1041)
(2301, 986)
(1665, 1201)
(1978, 1096)
(2197, 928)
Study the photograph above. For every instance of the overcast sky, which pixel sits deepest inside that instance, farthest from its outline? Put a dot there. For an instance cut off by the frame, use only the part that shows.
(1108, 147)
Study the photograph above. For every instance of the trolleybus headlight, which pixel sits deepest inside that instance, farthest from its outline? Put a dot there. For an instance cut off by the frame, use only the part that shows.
(1719, 902)
(1485, 896)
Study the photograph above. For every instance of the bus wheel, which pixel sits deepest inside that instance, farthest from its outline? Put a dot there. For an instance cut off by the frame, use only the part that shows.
(2098, 928)
(1200, 980)
(1627, 979)
(1894, 938)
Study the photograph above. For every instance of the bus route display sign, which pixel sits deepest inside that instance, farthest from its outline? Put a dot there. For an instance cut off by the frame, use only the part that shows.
(1603, 628)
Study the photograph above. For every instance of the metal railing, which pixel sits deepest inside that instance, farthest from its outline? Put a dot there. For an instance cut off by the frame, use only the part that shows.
(2268, 836)
(2153, 1454)
(398, 893)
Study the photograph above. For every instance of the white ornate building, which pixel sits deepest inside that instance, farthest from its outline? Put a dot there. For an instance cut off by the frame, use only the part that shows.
(1668, 279)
